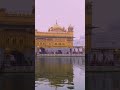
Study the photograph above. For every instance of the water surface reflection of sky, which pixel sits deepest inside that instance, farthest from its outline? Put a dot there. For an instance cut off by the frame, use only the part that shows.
(60, 73)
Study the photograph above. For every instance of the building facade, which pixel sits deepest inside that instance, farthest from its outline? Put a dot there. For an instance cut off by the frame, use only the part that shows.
(56, 37)
(16, 31)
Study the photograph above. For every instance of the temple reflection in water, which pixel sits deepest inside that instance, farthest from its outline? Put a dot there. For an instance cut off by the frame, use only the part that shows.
(59, 71)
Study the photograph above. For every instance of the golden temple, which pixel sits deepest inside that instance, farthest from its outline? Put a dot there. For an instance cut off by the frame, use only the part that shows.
(56, 37)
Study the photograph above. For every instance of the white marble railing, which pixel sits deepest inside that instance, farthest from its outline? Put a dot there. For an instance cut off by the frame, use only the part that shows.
(61, 55)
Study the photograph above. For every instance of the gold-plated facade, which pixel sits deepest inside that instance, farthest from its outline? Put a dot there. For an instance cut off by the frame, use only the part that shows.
(56, 37)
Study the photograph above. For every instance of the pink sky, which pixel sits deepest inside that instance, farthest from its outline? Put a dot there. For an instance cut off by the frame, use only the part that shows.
(66, 12)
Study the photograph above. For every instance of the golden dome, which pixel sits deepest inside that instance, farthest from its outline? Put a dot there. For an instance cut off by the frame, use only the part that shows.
(56, 26)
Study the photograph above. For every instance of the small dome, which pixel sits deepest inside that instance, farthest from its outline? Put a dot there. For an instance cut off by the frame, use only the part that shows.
(70, 27)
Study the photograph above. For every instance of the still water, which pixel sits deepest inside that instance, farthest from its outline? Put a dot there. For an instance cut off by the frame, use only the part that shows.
(60, 73)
